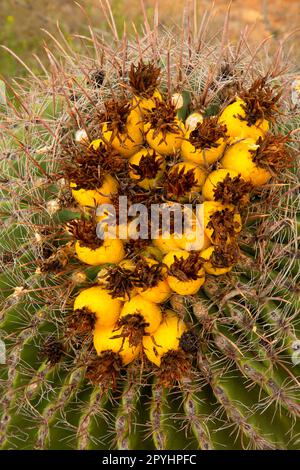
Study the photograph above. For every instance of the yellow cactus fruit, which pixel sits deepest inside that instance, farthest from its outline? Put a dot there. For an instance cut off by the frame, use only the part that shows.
(146, 104)
(227, 187)
(90, 173)
(94, 197)
(138, 317)
(164, 131)
(205, 143)
(99, 302)
(143, 82)
(151, 277)
(184, 179)
(221, 222)
(258, 161)
(193, 238)
(122, 127)
(107, 345)
(166, 242)
(192, 120)
(249, 115)
(110, 251)
(185, 274)
(220, 259)
(235, 119)
(97, 143)
(91, 249)
(166, 338)
(146, 166)
(119, 280)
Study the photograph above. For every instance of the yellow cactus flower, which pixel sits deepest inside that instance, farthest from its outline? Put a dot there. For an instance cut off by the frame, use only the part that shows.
(164, 131)
(185, 274)
(122, 127)
(205, 143)
(166, 339)
(227, 187)
(151, 277)
(146, 166)
(220, 259)
(221, 222)
(138, 317)
(99, 302)
(184, 179)
(106, 343)
(143, 82)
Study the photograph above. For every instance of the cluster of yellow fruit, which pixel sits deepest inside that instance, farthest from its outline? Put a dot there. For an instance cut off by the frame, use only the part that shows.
(146, 152)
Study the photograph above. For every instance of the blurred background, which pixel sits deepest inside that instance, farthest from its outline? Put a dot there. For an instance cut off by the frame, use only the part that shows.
(22, 21)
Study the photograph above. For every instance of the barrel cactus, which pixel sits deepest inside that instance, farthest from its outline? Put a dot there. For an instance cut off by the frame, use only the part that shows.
(150, 344)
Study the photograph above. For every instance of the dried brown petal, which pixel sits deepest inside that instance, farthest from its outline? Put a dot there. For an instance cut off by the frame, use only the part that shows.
(260, 102)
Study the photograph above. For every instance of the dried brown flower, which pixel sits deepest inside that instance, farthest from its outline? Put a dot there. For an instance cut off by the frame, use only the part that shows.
(223, 225)
(147, 275)
(116, 114)
(187, 269)
(175, 366)
(272, 153)
(84, 230)
(119, 281)
(179, 182)
(52, 350)
(207, 133)
(260, 102)
(132, 327)
(104, 370)
(225, 256)
(162, 118)
(144, 78)
(148, 166)
(233, 191)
